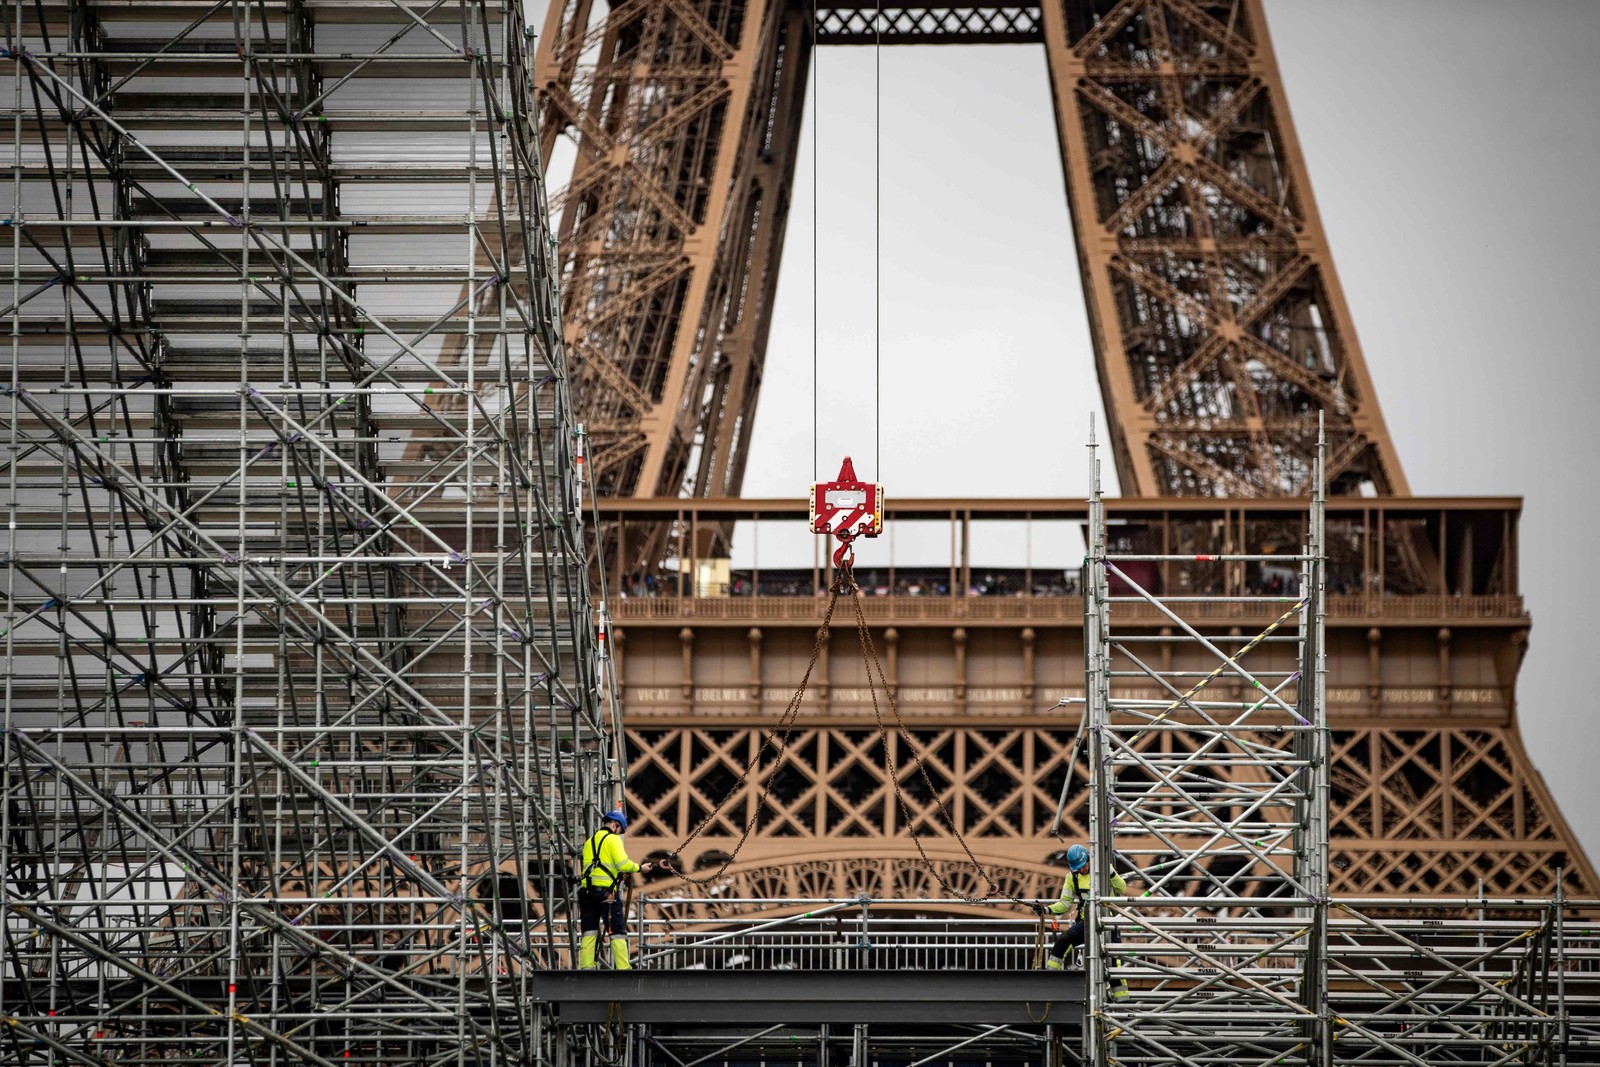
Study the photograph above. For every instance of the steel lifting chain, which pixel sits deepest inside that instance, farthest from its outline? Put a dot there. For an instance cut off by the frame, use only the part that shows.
(844, 584)
(875, 679)
(782, 731)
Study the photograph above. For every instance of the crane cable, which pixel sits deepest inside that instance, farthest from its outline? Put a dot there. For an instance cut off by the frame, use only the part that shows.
(776, 741)
(816, 137)
(877, 243)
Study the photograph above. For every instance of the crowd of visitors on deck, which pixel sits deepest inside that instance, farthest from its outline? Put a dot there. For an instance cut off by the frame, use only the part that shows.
(873, 582)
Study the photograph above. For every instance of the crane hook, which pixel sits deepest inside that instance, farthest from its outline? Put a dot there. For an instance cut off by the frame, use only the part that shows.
(844, 557)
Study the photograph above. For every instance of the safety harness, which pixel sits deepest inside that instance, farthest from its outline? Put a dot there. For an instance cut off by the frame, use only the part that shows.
(1076, 898)
(599, 842)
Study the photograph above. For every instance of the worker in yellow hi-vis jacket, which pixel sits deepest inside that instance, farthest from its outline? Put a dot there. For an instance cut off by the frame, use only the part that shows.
(605, 862)
(1073, 892)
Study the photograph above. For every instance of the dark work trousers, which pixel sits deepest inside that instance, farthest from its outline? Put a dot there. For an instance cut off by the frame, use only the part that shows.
(1069, 940)
(603, 907)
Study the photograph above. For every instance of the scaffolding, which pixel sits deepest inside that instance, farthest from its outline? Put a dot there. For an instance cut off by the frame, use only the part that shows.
(304, 714)
(735, 980)
(1208, 749)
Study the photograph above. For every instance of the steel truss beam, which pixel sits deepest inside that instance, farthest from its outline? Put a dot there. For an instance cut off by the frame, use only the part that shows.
(981, 23)
(687, 127)
(303, 711)
(1220, 329)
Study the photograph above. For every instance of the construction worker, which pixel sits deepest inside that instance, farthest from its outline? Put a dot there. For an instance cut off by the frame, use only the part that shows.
(605, 863)
(1073, 893)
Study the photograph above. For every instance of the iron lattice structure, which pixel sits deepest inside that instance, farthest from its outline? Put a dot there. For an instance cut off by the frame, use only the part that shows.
(303, 707)
(1220, 330)
(1221, 337)
(833, 822)
(1431, 791)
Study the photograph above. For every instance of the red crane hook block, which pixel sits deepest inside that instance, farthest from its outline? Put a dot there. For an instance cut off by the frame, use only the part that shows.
(847, 508)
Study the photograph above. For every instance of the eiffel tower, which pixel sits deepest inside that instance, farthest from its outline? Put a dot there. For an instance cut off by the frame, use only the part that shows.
(1221, 337)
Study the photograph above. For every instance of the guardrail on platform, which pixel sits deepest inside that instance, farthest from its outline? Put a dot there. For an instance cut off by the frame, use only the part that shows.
(918, 933)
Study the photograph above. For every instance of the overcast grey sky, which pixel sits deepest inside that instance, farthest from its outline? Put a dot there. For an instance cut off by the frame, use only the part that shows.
(1453, 158)
(1453, 146)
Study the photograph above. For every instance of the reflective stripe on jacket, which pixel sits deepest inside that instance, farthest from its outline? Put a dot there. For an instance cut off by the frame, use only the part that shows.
(1076, 887)
(605, 860)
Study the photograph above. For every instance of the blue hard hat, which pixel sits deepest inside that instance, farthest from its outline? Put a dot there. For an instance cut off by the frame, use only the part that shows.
(616, 817)
(1077, 858)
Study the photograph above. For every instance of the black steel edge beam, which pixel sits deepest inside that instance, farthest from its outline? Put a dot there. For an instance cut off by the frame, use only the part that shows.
(732, 1013)
(808, 997)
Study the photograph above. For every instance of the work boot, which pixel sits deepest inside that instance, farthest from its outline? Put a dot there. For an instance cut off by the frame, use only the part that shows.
(619, 954)
(587, 944)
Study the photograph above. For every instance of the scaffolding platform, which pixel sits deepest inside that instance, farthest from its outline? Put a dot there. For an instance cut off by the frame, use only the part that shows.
(981, 998)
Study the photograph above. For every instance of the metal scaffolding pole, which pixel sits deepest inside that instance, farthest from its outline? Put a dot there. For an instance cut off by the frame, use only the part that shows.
(304, 714)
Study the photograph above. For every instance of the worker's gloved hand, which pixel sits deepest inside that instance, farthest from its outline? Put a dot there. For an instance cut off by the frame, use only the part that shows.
(1039, 909)
(646, 867)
